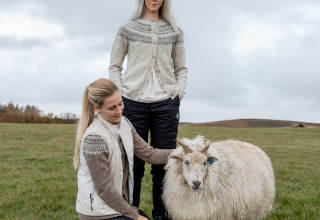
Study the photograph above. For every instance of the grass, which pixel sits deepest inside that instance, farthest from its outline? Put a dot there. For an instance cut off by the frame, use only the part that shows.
(37, 179)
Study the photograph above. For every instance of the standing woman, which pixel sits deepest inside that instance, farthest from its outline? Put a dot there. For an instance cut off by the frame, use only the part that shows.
(106, 143)
(152, 85)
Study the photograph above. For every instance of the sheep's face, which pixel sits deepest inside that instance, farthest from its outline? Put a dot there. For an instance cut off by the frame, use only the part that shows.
(195, 160)
(195, 169)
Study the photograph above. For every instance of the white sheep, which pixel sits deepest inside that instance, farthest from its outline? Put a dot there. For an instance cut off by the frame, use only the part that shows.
(223, 180)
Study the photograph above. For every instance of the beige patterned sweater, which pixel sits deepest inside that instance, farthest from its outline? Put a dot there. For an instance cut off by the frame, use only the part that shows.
(149, 45)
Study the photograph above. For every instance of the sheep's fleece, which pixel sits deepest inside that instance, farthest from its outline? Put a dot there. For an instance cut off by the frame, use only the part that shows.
(239, 185)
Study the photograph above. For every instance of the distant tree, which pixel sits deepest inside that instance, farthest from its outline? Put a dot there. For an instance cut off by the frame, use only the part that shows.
(3, 108)
(32, 114)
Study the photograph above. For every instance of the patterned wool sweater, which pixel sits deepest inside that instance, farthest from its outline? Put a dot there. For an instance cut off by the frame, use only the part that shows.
(96, 152)
(149, 45)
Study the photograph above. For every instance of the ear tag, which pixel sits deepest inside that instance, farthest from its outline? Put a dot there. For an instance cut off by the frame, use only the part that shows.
(210, 160)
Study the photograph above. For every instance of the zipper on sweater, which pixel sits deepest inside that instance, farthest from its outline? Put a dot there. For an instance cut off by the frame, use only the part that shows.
(91, 199)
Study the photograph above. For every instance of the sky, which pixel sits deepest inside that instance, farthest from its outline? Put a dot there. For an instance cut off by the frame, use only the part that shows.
(245, 59)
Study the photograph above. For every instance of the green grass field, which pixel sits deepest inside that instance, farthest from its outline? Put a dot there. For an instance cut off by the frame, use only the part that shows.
(38, 181)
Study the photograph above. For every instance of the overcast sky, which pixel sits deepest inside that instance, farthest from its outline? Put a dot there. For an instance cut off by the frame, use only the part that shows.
(246, 59)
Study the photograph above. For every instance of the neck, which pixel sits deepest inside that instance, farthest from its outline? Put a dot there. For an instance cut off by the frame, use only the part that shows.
(151, 15)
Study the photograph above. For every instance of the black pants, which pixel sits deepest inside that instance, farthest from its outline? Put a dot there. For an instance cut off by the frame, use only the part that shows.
(162, 120)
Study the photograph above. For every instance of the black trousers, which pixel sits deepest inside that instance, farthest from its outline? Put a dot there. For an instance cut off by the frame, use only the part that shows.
(162, 120)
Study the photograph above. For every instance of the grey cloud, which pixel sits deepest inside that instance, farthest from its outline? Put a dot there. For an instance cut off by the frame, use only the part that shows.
(11, 42)
(79, 18)
(213, 75)
(210, 56)
(101, 46)
(93, 18)
(294, 70)
(210, 27)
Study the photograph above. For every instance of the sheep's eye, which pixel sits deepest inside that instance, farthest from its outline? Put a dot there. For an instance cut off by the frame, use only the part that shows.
(186, 162)
(205, 163)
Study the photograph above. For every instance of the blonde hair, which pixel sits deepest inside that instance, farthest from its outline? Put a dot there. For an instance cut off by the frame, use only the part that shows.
(94, 95)
(164, 12)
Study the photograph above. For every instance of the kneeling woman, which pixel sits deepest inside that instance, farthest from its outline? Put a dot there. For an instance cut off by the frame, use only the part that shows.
(106, 144)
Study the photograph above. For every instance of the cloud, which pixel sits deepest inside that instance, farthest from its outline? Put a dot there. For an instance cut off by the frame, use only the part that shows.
(22, 24)
(9, 42)
(241, 53)
(245, 59)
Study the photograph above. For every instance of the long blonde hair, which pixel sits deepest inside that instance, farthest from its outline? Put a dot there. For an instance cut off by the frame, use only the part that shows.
(164, 12)
(94, 95)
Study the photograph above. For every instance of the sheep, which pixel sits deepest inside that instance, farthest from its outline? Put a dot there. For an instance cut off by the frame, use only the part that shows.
(223, 180)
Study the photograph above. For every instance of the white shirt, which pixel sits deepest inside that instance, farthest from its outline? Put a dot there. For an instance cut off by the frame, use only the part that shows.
(154, 91)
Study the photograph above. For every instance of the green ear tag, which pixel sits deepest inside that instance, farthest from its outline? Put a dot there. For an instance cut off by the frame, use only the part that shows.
(210, 160)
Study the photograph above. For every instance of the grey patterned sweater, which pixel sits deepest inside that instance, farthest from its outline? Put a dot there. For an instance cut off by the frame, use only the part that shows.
(95, 151)
(149, 45)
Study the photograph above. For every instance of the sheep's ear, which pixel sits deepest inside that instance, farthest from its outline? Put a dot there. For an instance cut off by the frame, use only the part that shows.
(176, 157)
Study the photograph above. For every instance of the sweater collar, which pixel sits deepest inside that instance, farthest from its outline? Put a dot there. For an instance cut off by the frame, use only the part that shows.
(114, 128)
(150, 21)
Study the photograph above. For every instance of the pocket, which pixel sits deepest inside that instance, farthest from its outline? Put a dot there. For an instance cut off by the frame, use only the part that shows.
(177, 100)
(91, 196)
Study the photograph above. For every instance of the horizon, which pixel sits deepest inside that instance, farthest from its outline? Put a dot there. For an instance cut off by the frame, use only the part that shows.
(180, 122)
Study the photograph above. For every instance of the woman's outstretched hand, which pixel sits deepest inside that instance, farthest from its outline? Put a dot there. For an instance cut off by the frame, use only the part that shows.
(140, 217)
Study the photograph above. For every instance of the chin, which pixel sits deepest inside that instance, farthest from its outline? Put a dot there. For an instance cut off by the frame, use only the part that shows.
(117, 119)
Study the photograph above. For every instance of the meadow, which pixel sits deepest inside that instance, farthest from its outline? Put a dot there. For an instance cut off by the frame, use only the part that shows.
(38, 181)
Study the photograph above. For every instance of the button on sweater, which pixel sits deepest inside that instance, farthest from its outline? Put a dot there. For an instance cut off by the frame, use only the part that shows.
(150, 45)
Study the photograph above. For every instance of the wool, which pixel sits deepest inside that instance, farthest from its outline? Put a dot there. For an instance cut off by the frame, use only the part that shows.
(140, 31)
(239, 185)
(94, 144)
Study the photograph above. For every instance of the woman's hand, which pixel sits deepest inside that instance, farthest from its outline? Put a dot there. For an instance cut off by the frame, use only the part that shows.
(140, 217)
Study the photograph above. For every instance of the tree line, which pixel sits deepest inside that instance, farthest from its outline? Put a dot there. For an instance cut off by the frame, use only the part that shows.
(32, 114)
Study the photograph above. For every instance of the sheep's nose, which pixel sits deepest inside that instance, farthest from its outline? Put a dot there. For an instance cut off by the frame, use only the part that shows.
(196, 183)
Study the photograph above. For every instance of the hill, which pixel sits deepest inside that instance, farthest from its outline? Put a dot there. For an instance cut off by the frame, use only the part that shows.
(254, 123)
